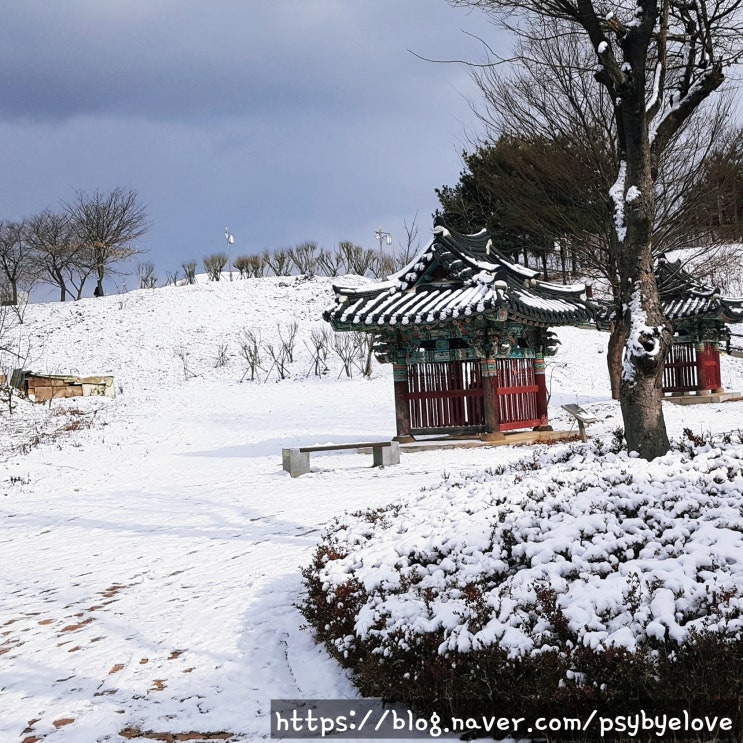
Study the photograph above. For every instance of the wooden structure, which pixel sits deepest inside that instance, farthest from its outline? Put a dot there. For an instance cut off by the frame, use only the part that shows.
(43, 387)
(467, 332)
(699, 317)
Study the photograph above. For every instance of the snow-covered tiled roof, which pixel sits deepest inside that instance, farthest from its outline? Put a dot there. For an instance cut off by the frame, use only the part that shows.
(683, 297)
(457, 276)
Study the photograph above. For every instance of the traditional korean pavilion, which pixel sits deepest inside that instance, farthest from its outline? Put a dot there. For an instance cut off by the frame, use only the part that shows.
(699, 317)
(466, 331)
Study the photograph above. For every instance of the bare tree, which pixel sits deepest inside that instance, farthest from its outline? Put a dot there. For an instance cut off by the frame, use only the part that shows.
(57, 254)
(554, 160)
(716, 207)
(279, 261)
(171, 278)
(329, 262)
(318, 348)
(184, 356)
(250, 266)
(222, 356)
(242, 264)
(257, 266)
(356, 259)
(304, 257)
(189, 271)
(250, 350)
(288, 339)
(346, 348)
(277, 354)
(14, 354)
(365, 352)
(107, 226)
(657, 62)
(17, 267)
(214, 265)
(146, 275)
(411, 247)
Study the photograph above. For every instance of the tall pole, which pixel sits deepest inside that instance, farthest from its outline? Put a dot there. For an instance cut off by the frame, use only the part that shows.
(383, 237)
(230, 240)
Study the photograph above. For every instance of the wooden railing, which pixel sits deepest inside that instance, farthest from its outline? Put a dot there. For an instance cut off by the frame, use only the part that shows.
(448, 395)
(445, 394)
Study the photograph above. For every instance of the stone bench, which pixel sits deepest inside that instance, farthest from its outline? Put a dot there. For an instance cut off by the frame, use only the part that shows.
(297, 461)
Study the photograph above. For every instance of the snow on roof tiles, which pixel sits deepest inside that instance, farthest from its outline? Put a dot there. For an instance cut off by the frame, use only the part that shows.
(456, 275)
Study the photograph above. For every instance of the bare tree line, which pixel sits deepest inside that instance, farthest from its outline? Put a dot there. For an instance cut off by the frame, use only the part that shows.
(86, 240)
(308, 259)
(275, 357)
(305, 259)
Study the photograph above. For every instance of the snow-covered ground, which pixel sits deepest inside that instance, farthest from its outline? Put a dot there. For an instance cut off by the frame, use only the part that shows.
(151, 544)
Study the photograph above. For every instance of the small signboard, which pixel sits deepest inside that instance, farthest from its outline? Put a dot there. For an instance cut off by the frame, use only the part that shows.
(582, 416)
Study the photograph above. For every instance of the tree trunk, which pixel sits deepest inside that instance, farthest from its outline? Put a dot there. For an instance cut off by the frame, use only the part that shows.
(647, 342)
(563, 263)
(648, 337)
(59, 280)
(615, 353)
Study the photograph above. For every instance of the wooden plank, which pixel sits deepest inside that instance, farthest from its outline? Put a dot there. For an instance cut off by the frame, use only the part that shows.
(579, 414)
(333, 447)
(515, 425)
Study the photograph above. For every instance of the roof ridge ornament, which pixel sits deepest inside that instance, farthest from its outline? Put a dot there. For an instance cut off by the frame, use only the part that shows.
(439, 229)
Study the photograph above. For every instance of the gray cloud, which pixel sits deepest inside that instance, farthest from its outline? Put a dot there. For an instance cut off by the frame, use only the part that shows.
(287, 119)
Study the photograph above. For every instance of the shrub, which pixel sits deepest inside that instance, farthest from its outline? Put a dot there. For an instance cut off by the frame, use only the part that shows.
(578, 582)
(250, 266)
(189, 271)
(250, 351)
(358, 260)
(146, 275)
(318, 348)
(279, 261)
(303, 257)
(214, 264)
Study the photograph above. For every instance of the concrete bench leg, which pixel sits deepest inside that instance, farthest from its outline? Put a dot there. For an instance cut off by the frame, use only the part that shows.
(295, 462)
(385, 455)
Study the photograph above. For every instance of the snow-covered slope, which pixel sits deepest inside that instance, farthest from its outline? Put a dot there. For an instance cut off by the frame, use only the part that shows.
(138, 336)
(151, 543)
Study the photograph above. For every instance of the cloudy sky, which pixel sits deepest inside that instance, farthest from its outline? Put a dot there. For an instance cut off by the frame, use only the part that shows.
(286, 120)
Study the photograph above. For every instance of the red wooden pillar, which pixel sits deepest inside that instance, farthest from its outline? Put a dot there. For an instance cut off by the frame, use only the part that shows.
(700, 348)
(717, 373)
(541, 382)
(402, 408)
(489, 372)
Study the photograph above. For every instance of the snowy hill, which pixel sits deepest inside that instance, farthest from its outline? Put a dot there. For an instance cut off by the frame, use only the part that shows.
(153, 542)
(136, 336)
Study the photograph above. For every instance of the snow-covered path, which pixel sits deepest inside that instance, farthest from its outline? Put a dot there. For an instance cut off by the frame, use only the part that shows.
(151, 562)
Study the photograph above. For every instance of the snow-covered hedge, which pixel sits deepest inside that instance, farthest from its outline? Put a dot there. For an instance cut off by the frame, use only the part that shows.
(593, 570)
